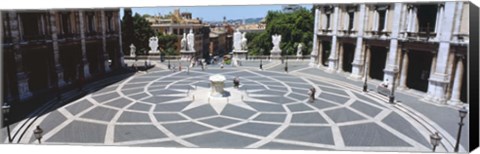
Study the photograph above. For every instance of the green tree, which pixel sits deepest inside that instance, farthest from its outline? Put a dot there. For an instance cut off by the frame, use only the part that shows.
(295, 28)
(127, 30)
(142, 33)
(167, 43)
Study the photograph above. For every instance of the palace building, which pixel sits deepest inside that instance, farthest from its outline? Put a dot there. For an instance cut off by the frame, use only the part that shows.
(422, 45)
(44, 50)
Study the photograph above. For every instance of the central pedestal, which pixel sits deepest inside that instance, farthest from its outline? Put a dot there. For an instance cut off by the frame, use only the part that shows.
(217, 83)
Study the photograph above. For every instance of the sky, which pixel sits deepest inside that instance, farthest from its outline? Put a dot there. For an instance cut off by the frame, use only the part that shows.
(215, 13)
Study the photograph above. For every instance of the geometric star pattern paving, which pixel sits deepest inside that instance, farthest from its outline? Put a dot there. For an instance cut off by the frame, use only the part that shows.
(155, 109)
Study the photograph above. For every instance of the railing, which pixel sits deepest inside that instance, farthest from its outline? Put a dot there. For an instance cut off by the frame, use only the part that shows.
(267, 57)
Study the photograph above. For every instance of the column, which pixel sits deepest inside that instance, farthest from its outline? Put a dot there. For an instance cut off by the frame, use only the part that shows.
(403, 22)
(320, 55)
(414, 20)
(121, 60)
(410, 19)
(86, 68)
(432, 69)
(104, 42)
(404, 72)
(340, 58)
(56, 50)
(458, 20)
(391, 66)
(375, 20)
(314, 53)
(357, 64)
(369, 57)
(385, 24)
(332, 60)
(451, 64)
(457, 84)
(440, 21)
(21, 75)
(439, 78)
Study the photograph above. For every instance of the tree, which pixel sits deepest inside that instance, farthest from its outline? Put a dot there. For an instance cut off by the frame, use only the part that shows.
(127, 30)
(295, 28)
(167, 43)
(136, 30)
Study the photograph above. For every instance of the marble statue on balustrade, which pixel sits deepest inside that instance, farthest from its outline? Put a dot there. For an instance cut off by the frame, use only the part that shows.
(237, 38)
(191, 41)
(275, 52)
(299, 51)
(183, 43)
(187, 46)
(244, 41)
(153, 44)
(239, 47)
(133, 49)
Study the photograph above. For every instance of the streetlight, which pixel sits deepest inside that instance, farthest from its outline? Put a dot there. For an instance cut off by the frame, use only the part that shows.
(38, 132)
(462, 112)
(365, 86)
(435, 140)
(6, 111)
(286, 65)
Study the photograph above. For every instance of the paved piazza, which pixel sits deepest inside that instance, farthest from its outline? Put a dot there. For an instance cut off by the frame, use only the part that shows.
(270, 110)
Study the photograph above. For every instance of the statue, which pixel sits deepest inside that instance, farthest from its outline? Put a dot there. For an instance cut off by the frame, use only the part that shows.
(191, 41)
(153, 45)
(132, 50)
(276, 42)
(183, 42)
(244, 41)
(299, 50)
(237, 38)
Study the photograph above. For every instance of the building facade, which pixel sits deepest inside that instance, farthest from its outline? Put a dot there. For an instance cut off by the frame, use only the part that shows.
(44, 50)
(422, 45)
(177, 23)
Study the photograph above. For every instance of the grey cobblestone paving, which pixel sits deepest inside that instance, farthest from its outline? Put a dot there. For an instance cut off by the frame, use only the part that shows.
(161, 113)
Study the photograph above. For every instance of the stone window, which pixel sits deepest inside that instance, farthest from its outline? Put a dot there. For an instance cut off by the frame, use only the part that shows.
(351, 21)
(30, 26)
(65, 23)
(426, 16)
(91, 22)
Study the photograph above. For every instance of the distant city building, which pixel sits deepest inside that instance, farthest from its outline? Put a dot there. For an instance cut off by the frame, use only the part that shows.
(44, 50)
(177, 23)
(431, 37)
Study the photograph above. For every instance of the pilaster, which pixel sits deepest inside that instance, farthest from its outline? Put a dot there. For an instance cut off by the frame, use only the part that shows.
(391, 67)
(84, 61)
(56, 51)
(357, 63)
(104, 42)
(332, 60)
(439, 79)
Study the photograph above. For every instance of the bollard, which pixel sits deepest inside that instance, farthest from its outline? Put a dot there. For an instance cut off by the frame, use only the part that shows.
(193, 97)
(208, 99)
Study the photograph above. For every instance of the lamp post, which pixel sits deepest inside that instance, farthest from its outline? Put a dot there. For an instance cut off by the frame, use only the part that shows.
(462, 112)
(435, 140)
(6, 111)
(365, 86)
(286, 65)
(38, 132)
(261, 58)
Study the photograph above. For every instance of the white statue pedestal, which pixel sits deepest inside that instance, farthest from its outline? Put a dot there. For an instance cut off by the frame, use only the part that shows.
(239, 55)
(275, 54)
(186, 55)
(154, 52)
(217, 85)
